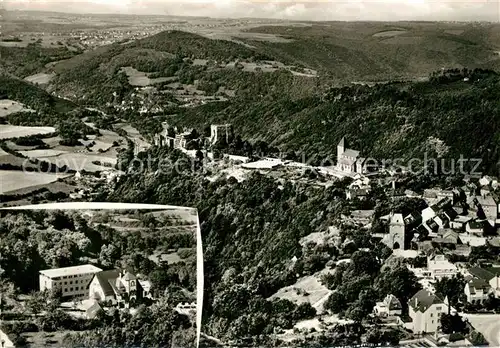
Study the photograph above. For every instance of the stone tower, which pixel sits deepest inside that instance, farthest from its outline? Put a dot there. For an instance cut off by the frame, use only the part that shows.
(397, 230)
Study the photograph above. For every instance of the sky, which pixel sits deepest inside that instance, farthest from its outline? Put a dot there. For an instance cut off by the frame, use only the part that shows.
(322, 10)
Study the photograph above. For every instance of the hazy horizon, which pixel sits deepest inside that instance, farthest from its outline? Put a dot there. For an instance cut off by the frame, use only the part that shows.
(345, 10)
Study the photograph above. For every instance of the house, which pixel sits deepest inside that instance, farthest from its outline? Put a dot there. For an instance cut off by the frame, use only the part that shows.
(489, 205)
(186, 308)
(477, 290)
(72, 281)
(439, 267)
(450, 214)
(475, 228)
(118, 287)
(431, 226)
(425, 310)
(490, 275)
(430, 213)
(390, 306)
(360, 193)
(221, 131)
(348, 160)
(459, 222)
(473, 241)
(447, 237)
(485, 180)
(92, 310)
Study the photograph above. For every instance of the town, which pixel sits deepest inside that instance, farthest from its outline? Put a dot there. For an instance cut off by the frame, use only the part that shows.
(448, 238)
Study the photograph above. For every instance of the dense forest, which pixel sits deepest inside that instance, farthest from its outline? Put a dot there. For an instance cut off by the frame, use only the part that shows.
(251, 232)
(37, 240)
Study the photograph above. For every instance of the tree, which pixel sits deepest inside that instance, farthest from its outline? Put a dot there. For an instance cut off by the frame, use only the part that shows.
(397, 280)
(336, 302)
(452, 324)
(36, 303)
(452, 287)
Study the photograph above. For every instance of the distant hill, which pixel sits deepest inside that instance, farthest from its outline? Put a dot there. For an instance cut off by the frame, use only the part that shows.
(354, 51)
(341, 52)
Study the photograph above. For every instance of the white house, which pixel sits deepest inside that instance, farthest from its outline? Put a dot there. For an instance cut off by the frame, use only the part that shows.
(477, 290)
(425, 310)
(118, 287)
(439, 267)
(390, 306)
(490, 275)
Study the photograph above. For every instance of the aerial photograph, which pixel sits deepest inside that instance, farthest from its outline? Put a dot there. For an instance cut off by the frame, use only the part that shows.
(92, 275)
(341, 160)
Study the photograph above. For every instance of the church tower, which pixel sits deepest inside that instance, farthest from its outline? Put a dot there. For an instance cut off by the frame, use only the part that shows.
(340, 149)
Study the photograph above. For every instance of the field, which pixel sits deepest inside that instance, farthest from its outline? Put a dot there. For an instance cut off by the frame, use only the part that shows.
(11, 180)
(306, 289)
(8, 107)
(40, 78)
(141, 79)
(9, 131)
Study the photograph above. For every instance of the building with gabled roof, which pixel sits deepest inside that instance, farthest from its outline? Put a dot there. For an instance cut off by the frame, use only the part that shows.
(349, 160)
(490, 275)
(118, 287)
(390, 306)
(425, 310)
(477, 290)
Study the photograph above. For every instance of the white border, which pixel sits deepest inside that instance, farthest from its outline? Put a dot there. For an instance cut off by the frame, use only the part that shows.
(136, 206)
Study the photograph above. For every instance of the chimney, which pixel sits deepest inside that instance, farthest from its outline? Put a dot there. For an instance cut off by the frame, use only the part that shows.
(416, 302)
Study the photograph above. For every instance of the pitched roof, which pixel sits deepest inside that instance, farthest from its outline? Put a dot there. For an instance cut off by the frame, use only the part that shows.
(392, 302)
(129, 276)
(106, 280)
(483, 273)
(423, 299)
(478, 284)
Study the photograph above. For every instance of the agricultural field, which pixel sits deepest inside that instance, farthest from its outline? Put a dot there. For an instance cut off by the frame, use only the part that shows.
(13, 180)
(9, 131)
(40, 78)
(8, 107)
(138, 78)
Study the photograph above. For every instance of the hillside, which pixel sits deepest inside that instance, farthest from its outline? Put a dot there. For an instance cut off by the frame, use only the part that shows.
(341, 53)
(32, 96)
(384, 51)
(387, 121)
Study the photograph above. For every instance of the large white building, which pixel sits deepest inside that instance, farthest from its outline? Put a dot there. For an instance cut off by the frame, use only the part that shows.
(73, 281)
(425, 310)
(439, 267)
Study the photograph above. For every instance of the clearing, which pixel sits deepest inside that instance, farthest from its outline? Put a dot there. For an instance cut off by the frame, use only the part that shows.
(40, 79)
(13, 180)
(141, 79)
(8, 131)
(389, 33)
(306, 289)
(8, 107)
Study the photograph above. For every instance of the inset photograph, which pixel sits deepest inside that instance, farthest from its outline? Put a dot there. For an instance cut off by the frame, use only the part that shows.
(94, 274)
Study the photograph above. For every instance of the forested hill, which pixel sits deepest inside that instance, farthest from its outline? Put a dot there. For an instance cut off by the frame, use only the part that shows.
(447, 116)
(32, 96)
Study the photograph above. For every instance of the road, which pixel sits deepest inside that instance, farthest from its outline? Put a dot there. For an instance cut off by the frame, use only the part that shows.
(488, 325)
